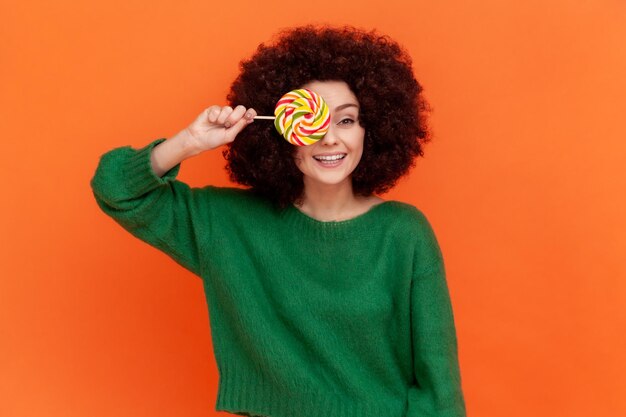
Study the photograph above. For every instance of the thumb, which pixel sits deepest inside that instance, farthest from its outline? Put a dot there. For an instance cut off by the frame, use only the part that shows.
(234, 130)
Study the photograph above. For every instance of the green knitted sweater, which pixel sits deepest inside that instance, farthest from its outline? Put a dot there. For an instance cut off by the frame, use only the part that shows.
(308, 318)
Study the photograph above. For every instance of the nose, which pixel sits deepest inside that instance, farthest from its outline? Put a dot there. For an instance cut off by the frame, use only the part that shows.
(330, 138)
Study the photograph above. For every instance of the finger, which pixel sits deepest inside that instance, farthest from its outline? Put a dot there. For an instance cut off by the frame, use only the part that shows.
(226, 111)
(235, 129)
(250, 114)
(235, 116)
(212, 113)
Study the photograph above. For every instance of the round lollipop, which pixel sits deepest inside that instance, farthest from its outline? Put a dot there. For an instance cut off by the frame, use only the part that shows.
(302, 117)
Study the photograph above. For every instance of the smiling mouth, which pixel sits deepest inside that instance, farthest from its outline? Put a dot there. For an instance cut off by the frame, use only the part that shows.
(330, 161)
(330, 158)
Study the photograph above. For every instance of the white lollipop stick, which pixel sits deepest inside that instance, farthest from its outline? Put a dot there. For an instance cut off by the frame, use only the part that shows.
(265, 117)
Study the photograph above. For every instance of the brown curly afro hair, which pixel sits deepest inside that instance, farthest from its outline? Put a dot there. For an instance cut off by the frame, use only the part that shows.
(379, 73)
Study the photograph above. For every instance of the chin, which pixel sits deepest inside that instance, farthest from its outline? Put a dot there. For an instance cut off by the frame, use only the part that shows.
(329, 181)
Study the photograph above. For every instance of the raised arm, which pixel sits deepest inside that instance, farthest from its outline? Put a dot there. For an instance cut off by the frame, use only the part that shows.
(139, 190)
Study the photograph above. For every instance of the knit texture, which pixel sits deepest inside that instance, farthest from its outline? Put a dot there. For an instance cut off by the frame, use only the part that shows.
(308, 318)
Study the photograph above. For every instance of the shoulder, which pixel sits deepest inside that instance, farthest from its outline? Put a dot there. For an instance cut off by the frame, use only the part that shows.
(232, 193)
(407, 215)
(233, 199)
(414, 227)
(227, 193)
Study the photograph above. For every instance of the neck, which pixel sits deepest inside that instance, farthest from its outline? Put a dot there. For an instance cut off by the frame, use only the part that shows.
(327, 202)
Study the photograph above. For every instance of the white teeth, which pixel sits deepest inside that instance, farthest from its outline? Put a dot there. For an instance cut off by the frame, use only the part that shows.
(329, 158)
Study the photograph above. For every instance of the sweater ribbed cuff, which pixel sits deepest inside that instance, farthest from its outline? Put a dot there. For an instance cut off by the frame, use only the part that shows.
(138, 171)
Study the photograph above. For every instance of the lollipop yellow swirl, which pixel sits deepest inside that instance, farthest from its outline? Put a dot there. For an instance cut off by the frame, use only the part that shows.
(302, 117)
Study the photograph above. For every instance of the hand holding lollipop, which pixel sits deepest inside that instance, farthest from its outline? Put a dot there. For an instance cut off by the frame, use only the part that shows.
(301, 116)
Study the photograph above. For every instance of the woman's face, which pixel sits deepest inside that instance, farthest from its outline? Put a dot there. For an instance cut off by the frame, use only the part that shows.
(343, 143)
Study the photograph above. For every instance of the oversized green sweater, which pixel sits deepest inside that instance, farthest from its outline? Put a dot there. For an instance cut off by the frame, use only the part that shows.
(308, 318)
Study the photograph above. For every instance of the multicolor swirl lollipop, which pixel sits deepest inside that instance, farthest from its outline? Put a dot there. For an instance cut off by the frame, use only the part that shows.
(302, 117)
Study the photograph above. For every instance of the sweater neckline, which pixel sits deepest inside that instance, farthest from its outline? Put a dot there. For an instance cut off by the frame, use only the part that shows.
(333, 229)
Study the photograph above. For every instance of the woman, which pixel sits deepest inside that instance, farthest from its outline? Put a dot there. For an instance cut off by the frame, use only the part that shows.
(324, 299)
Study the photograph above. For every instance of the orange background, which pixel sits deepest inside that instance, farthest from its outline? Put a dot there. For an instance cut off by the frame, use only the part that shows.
(523, 183)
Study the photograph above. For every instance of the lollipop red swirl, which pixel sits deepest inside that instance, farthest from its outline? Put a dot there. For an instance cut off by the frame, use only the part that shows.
(302, 117)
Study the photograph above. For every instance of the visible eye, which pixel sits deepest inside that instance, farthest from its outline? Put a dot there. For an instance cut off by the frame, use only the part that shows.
(346, 121)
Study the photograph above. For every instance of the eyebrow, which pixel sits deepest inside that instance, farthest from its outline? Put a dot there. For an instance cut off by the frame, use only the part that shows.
(343, 106)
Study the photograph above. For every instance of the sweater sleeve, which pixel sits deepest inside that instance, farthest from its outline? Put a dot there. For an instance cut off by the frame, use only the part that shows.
(158, 210)
(437, 391)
